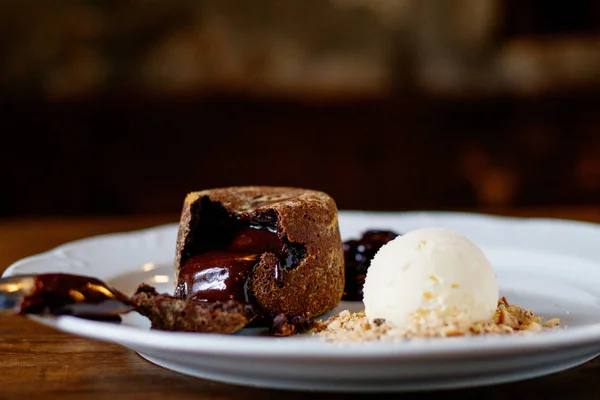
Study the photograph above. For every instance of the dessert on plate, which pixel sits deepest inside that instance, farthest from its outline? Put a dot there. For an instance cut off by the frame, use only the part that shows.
(273, 257)
(275, 250)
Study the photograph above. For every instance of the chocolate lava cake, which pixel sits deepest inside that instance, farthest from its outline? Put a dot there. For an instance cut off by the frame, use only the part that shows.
(276, 250)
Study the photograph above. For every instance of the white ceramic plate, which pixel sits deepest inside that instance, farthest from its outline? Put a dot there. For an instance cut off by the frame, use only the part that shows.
(549, 266)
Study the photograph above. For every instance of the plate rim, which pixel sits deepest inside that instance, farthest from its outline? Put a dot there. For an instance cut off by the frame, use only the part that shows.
(171, 225)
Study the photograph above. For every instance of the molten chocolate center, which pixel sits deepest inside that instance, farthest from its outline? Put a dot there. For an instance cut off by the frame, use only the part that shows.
(221, 274)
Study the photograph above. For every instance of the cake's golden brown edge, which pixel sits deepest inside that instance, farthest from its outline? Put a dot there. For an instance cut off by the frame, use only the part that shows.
(169, 313)
(304, 216)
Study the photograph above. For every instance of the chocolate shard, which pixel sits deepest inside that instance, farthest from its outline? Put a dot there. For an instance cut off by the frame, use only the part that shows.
(171, 313)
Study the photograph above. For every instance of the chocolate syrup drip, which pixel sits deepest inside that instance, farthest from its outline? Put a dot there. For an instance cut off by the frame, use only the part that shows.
(222, 274)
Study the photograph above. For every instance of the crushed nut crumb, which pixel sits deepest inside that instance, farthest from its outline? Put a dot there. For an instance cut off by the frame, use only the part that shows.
(508, 319)
(551, 323)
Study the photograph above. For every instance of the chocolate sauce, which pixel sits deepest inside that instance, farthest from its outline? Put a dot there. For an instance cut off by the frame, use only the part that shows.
(66, 294)
(257, 239)
(221, 274)
(278, 273)
(216, 276)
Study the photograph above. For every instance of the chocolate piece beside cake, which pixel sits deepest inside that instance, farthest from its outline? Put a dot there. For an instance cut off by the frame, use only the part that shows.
(172, 314)
(275, 249)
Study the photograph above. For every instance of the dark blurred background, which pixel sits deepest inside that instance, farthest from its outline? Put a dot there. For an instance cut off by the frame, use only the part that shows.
(110, 107)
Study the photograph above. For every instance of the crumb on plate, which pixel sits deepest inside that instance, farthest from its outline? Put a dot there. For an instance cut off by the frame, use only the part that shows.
(508, 319)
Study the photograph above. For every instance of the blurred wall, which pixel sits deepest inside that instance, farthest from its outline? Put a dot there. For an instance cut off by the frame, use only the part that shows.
(124, 106)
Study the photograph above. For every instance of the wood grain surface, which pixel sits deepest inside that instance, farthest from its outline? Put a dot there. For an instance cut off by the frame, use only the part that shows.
(42, 363)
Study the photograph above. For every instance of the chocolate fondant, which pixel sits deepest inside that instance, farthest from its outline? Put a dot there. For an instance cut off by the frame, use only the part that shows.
(276, 249)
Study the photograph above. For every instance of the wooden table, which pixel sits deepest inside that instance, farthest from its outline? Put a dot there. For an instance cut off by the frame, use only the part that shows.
(44, 363)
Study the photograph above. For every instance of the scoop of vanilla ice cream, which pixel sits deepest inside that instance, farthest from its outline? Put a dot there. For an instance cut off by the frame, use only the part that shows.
(431, 273)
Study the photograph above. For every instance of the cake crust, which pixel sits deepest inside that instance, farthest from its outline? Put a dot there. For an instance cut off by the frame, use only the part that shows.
(169, 313)
(303, 217)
